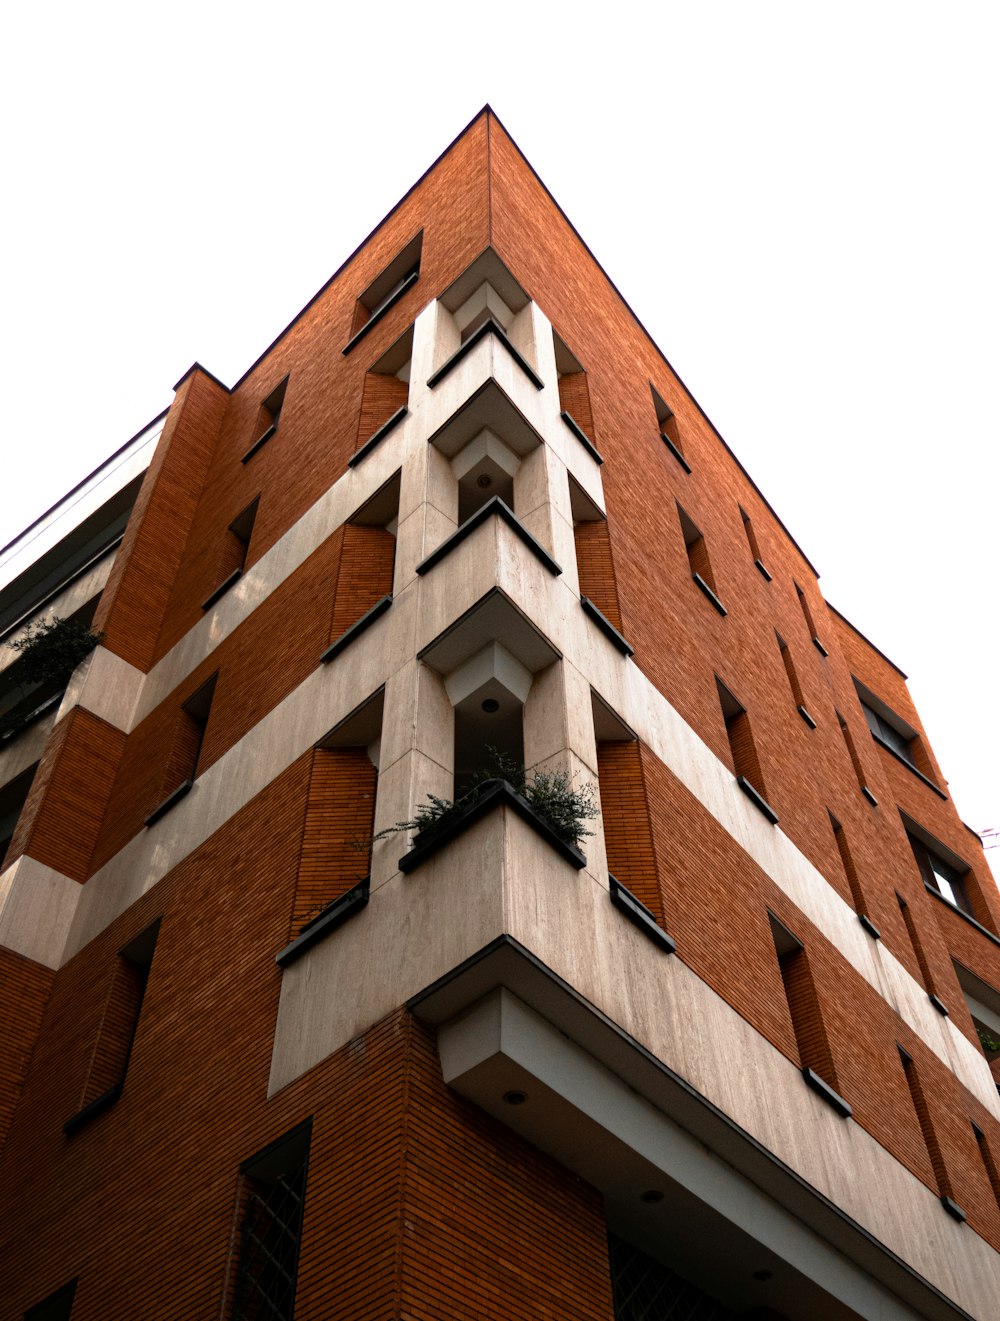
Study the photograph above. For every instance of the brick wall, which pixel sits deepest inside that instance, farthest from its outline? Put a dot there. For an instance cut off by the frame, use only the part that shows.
(340, 819)
(628, 836)
(596, 568)
(25, 993)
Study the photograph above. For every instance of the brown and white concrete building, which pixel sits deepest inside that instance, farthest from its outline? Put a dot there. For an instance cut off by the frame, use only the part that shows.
(729, 1056)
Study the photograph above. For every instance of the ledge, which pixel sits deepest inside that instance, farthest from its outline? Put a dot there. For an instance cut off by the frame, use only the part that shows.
(380, 312)
(377, 437)
(222, 589)
(503, 511)
(489, 327)
(32, 716)
(696, 577)
(938, 1004)
(905, 761)
(356, 629)
(606, 627)
(869, 926)
(498, 791)
(819, 647)
(331, 917)
(258, 444)
(675, 451)
(806, 717)
(867, 793)
(831, 1097)
(91, 1111)
(581, 436)
(180, 792)
(761, 569)
(966, 917)
(637, 913)
(954, 1210)
(758, 800)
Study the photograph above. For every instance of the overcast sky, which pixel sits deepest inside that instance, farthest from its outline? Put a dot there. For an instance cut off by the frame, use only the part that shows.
(799, 201)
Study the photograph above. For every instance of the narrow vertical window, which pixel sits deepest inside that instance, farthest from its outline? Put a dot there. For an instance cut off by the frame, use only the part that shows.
(807, 614)
(365, 571)
(267, 418)
(386, 290)
(669, 432)
(751, 537)
(594, 562)
(185, 750)
(112, 1050)
(574, 391)
(793, 681)
(919, 954)
(927, 1129)
(746, 763)
(697, 553)
(57, 1307)
(989, 1164)
(853, 880)
(386, 393)
(815, 1055)
(852, 752)
(236, 544)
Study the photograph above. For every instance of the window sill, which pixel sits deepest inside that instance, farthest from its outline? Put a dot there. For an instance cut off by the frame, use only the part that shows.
(806, 717)
(356, 629)
(581, 436)
(938, 1004)
(259, 444)
(39, 711)
(824, 1090)
(486, 511)
(675, 452)
(758, 800)
(905, 761)
(377, 437)
(606, 627)
(637, 913)
(171, 799)
(489, 327)
(954, 1210)
(966, 917)
(91, 1111)
(869, 926)
(867, 794)
(222, 589)
(380, 312)
(696, 577)
(763, 571)
(819, 647)
(498, 792)
(332, 916)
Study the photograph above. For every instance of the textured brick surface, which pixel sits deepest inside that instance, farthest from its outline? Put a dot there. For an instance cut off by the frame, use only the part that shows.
(340, 817)
(25, 990)
(596, 569)
(625, 814)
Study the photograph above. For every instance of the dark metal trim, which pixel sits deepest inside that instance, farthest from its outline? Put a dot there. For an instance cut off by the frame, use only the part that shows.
(675, 451)
(504, 512)
(606, 627)
(377, 436)
(824, 1089)
(696, 577)
(222, 588)
(581, 436)
(819, 647)
(905, 761)
(867, 793)
(180, 792)
(639, 915)
(806, 717)
(42, 709)
(261, 441)
(356, 629)
(498, 792)
(758, 800)
(489, 327)
(869, 926)
(966, 917)
(761, 569)
(331, 917)
(954, 1210)
(938, 1004)
(92, 1110)
(407, 283)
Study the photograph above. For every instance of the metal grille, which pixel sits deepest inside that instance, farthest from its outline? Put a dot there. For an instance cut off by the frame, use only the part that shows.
(269, 1249)
(645, 1290)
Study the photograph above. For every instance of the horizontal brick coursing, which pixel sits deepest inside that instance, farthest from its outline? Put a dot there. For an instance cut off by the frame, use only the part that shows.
(25, 991)
(596, 568)
(336, 842)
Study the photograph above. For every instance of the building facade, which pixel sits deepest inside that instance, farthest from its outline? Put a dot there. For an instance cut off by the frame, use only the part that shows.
(733, 1053)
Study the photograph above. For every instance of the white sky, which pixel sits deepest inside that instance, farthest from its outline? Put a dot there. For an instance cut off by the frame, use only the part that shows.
(800, 202)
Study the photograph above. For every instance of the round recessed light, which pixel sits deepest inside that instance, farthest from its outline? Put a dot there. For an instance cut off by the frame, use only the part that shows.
(763, 1275)
(491, 706)
(515, 1098)
(651, 1196)
(484, 480)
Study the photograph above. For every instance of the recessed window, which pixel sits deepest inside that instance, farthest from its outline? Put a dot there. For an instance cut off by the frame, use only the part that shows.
(983, 1004)
(852, 752)
(989, 1164)
(236, 545)
(929, 1132)
(669, 430)
(751, 537)
(894, 733)
(367, 559)
(57, 1307)
(385, 395)
(386, 290)
(700, 564)
(917, 946)
(943, 874)
(574, 392)
(594, 561)
(808, 616)
(851, 872)
(13, 797)
(746, 763)
(272, 1200)
(793, 681)
(267, 418)
(185, 750)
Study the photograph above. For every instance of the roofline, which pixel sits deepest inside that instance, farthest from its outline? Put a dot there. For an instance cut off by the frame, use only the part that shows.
(868, 642)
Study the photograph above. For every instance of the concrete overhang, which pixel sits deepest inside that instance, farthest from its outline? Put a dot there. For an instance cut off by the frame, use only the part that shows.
(493, 618)
(488, 408)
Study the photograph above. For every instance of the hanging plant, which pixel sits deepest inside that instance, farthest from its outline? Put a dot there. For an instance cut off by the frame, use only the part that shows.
(987, 1040)
(51, 651)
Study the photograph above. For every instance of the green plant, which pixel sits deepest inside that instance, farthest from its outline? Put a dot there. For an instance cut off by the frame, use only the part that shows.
(550, 793)
(50, 651)
(987, 1040)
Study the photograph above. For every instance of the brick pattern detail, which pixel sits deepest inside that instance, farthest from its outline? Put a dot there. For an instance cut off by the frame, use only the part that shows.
(340, 814)
(927, 1127)
(744, 750)
(364, 575)
(383, 396)
(26, 987)
(574, 398)
(115, 1030)
(807, 1019)
(69, 796)
(628, 836)
(596, 568)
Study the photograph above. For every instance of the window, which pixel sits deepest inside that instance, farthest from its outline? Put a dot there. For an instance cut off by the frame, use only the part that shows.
(853, 880)
(807, 615)
(267, 418)
(185, 752)
(669, 432)
(234, 552)
(943, 875)
(594, 561)
(793, 681)
(752, 543)
(983, 1004)
(363, 587)
(386, 290)
(116, 1031)
(57, 1307)
(852, 752)
(385, 395)
(272, 1199)
(646, 1290)
(989, 1165)
(697, 553)
(746, 763)
(13, 797)
(892, 732)
(916, 943)
(927, 1129)
(574, 392)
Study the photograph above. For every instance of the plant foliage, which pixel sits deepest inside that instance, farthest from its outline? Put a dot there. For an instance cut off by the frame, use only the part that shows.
(987, 1040)
(51, 650)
